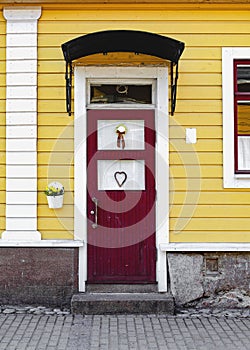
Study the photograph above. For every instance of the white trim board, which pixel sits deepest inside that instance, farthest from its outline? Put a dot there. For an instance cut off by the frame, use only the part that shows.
(160, 75)
(205, 247)
(42, 244)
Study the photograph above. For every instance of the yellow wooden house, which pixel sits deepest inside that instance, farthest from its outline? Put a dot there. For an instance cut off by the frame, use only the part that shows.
(140, 111)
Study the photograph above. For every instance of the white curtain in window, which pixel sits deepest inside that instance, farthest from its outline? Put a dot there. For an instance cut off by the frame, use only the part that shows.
(243, 152)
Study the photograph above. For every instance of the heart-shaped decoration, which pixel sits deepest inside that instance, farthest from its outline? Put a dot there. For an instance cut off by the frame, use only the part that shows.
(120, 178)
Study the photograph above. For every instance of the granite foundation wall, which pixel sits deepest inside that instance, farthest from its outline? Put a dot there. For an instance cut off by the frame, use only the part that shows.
(205, 276)
(44, 276)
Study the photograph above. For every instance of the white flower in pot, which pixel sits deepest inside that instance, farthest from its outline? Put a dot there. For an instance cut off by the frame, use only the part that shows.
(55, 192)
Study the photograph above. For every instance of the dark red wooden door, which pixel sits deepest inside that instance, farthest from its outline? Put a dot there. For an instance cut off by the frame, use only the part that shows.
(121, 196)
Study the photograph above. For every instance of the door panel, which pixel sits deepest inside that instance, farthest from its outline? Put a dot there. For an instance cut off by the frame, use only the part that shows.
(121, 196)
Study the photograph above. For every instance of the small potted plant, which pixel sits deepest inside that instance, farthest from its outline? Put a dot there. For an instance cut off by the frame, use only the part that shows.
(54, 192)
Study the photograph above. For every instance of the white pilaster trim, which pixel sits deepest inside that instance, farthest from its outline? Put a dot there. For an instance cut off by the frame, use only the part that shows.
(29, 13)
(21, 123)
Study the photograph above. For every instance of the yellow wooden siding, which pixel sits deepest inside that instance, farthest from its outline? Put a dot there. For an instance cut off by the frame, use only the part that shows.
(200, 209)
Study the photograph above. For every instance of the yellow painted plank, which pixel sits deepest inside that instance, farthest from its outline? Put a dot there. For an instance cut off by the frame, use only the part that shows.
(55, 40)
(215, 40)
(2, 197)
(2, 109)
(196, 119)
(2, 183)
(207, 236)
(50, 132)
(51, 66)
(167, 28)
(57, 172)
(50, 79)
(204, 145)
(201, 53)
(154, 25)
(66, 212)
(167, 15)
(50, 53)
(64, 224)
(52, 93)
(222, 198)
(46, 119)
(2, 92)
(57, 234)
(2, 173)
(198, 66)
(56, 145)
(189, 158)
(2, 53)
(212, 171)
(2, 66)
(200, 92)
(55, 158)
(197, 184)
(203, 132)
(2, 210)
(2, 158)
(200, 79)
(213, 224)
(213, 106)
(211, 211)
(58, 106)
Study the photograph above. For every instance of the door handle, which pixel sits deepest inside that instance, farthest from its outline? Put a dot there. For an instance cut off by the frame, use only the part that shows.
(95, 224)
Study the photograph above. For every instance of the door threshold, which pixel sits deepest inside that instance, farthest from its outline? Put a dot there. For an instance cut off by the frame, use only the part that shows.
(122, 288)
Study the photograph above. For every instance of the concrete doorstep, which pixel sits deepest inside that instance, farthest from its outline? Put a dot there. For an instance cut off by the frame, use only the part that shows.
(122, 303)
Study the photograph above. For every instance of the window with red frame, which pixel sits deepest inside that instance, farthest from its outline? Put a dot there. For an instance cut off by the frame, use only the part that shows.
(242, 116)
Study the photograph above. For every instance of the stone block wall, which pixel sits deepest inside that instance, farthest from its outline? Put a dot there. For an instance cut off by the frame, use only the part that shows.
(44, 276)
(199, 276)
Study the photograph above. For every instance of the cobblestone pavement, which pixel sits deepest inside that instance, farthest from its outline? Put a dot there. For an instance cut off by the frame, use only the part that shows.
(23, 331)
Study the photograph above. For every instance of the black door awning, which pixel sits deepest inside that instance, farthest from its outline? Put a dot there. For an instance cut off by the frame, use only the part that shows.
(122, 41)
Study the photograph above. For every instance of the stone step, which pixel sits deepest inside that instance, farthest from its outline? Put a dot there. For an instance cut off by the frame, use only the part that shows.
(122, 303)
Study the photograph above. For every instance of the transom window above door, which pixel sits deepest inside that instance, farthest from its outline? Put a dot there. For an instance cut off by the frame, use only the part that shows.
(121, 92)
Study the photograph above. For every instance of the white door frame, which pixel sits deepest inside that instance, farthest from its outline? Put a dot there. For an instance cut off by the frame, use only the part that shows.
(82, 75)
